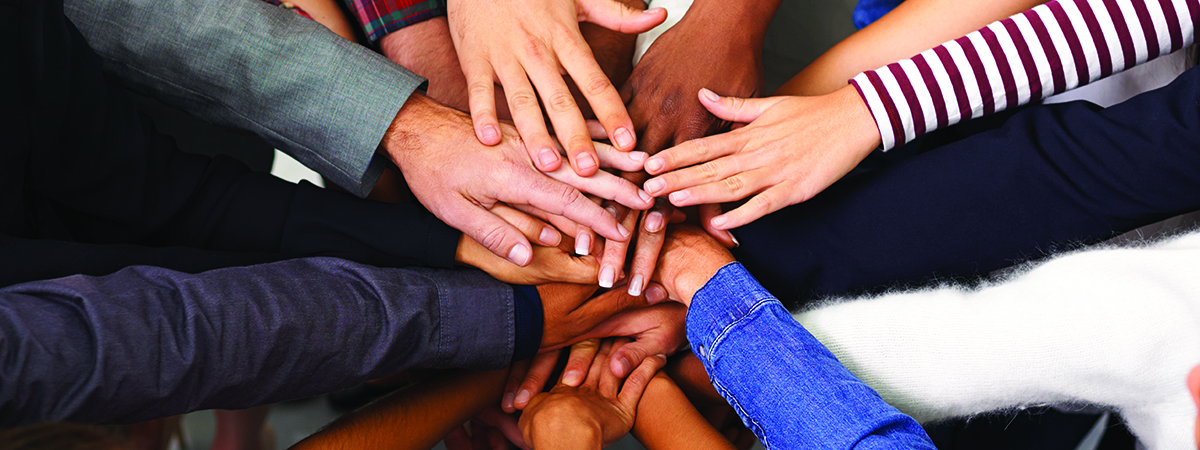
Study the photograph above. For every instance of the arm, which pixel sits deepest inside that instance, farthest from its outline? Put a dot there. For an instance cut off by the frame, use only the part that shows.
(413, 418)
(666, 420)
(240, 323)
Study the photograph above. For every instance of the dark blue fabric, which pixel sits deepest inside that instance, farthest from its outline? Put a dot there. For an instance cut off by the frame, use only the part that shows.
(528, 321)
(787, 387)
(1050, 178)
(868, 11)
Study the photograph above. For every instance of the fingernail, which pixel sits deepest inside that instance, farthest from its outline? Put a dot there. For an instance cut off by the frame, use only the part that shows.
(623, 138)
(522, 397)
(547, 157)
(720, 220)
(635, 285)
(624, 231)
(519, 255)
(607, 276)
(662, 356)
(655, 185)
(583, 244)
(712, 96)
(585, 160)
(654, 164)
(508, 401)
(638, 156)
(736, 244)
(654, 222)
(645, 197)
(655, 294)
(622, 366)
(571, 378)
(490, 133)
(679, 196)
(652, 10)
(612, 211)
(548, 236)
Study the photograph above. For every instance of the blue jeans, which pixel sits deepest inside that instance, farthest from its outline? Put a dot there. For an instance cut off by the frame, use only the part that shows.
(787, 387)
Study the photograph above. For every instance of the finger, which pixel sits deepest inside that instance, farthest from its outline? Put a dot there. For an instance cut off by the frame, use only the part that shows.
(563, 112)
(535, 380)
(736, 109)
(481, 99)
(564, 225)
(628, 357)
(496, 440)
(607, 186)
(625, 161)
(516, 374)
(606, 305)
(635, 385)
(728, 189)
(655, 293)
(645, 255)
(619, 17)
(695, 151)
(532, 228)
(612, 261)
(609, 384)
(596, 370)
(489, 230)
(559, 266)
(458, 439)
(764, 203)
(527, 117)
(600, 93)
(707, 212)
(596, 129)
(582, 354)
(505, 423)
(558, 198)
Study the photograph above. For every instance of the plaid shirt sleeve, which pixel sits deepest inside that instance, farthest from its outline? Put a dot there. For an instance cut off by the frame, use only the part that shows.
(380, 17)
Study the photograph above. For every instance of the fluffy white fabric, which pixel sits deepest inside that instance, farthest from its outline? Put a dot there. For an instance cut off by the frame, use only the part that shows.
(1118, 328)
(675, 11)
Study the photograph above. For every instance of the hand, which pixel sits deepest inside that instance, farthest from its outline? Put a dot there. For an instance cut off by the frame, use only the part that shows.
(690, 258)
(793, 148)
(715, 45)
(491, 429)
(596, 413)
(568, 312)
(552, 260)
(459, 180)
(523, 41)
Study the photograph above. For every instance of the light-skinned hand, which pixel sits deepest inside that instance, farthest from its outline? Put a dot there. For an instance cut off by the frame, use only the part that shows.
(792, 149)
(519, 42)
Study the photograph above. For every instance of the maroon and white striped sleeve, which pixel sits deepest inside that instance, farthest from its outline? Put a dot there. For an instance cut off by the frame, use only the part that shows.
(1046, 50)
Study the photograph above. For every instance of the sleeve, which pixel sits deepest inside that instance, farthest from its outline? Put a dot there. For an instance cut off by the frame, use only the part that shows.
(1044, 51)
(380, 17)
(787, 387)
(318, 97)
(147, 342)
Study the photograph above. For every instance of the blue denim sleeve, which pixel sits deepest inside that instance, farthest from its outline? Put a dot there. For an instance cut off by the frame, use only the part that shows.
(147, 342)
(787, 387)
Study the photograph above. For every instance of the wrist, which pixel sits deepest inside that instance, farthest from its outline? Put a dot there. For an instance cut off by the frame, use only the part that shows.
(860, 123)
(748, 19)
(421, 123)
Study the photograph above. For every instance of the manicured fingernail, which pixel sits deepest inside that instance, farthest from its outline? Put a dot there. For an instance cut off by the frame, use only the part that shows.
(655, 294)
(583, 244)
(548, 236)
(612, 211)
(655, 185)
(607, 276)
(720, 220)
(652, 10)
(679, 196)
(522, 397)
(508, 401)
(638, 156)
(572, 378)
(654, 222)
(662, 357)
(490, 133)
(621, 367)
(519, 255)
(654, 164)
(736, 244)
(624, 231)
(712, 96)
(635, 285)
(623, 138)
(645, 197)
(585, 160)
(547, 157)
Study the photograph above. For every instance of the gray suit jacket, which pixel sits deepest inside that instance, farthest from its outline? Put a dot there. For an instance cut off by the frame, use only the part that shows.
(323, 100)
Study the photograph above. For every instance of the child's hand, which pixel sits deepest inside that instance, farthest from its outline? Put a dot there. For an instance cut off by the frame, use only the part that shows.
(596, 413)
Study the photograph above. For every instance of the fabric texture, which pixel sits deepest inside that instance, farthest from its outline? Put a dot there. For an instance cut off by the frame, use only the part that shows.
(1116, 328)
(1046, 50)
(380, 17)
(787, 388)
(320, 98)
(867, 12)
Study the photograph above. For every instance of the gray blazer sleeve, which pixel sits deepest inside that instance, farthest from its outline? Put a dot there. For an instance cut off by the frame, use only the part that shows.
(148, 342)
(318, 97)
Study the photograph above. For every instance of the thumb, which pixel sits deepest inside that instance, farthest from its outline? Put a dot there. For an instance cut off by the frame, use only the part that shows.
(503, 239)
(736, 109)
(617, 16)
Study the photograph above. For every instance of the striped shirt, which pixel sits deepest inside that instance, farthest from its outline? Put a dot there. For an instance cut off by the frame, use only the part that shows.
(380, 17)
(1046, 50)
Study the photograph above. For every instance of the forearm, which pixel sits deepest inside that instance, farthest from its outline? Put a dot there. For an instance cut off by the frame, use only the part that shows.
(913, 27)
(746, 19)
(329, 14)
(416, 417)
(666, 420)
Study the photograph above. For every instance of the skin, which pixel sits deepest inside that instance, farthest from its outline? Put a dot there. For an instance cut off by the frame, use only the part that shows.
(524, 45)
(666, 420)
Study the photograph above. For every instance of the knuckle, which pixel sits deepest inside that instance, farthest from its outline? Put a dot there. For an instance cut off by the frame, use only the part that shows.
(709, 170)
(597, 85)
(492, 238)
(561, 102)
(533, 47)
(480, 89)
(734, 184)
(522, 100)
